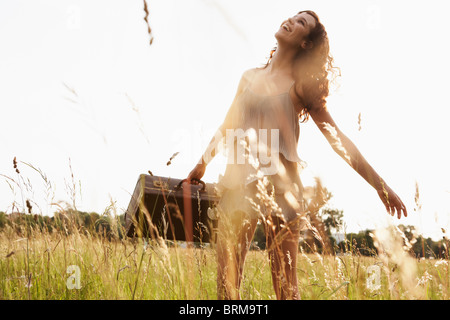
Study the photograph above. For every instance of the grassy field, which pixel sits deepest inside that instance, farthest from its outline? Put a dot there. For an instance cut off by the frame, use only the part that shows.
(37, 267)
(81, 262)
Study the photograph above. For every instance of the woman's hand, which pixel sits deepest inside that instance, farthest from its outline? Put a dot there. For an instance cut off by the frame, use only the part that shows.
(392, 201)
(197, 173)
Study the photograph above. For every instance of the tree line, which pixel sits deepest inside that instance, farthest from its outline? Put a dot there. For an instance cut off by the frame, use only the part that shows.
(113, 227)
(66, 222)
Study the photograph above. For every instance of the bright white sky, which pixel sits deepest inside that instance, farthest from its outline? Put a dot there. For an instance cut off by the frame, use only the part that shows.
(138, 104)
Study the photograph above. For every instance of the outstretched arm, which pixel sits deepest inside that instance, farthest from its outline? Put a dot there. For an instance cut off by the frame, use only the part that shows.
(343, 146)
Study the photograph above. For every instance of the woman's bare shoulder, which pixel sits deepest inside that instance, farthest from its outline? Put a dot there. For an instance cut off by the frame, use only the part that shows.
(249, 74)
(246, 78)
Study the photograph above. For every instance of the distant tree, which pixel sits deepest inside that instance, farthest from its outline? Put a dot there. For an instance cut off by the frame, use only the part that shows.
(409, 232)
(332, 219)
(360, 243)
(427, 248)
(421, 247)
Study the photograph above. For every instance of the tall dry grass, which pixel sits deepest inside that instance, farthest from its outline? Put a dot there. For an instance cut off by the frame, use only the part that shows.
(34, 263)
(35, 267)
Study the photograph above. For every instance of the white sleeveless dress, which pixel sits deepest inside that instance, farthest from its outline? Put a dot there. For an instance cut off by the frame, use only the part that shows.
(270, 127)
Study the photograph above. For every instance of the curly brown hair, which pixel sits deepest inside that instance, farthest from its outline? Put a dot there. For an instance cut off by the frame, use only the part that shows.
(317, 69)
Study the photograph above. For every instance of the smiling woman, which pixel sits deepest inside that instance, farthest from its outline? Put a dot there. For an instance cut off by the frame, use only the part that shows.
(186, 79)
(292, 85)
(314, 64)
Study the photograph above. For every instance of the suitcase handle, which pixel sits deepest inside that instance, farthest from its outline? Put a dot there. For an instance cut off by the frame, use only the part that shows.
(178, 187)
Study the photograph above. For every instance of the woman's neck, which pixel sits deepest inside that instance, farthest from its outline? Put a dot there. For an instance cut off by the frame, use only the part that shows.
(282, 61)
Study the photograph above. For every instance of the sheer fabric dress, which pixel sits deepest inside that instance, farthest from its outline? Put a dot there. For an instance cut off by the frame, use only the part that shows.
(261, 139)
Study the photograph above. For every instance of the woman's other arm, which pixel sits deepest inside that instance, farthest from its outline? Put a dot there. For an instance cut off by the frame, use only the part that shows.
(344, 147)
(210, 152)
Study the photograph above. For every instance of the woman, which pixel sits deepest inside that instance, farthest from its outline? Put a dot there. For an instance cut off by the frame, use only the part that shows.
(292, 86)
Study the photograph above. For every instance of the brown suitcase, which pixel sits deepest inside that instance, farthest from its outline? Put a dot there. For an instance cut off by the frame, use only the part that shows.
(172, 209)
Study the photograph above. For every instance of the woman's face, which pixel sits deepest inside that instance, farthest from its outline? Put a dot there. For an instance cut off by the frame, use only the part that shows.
(295, 31)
